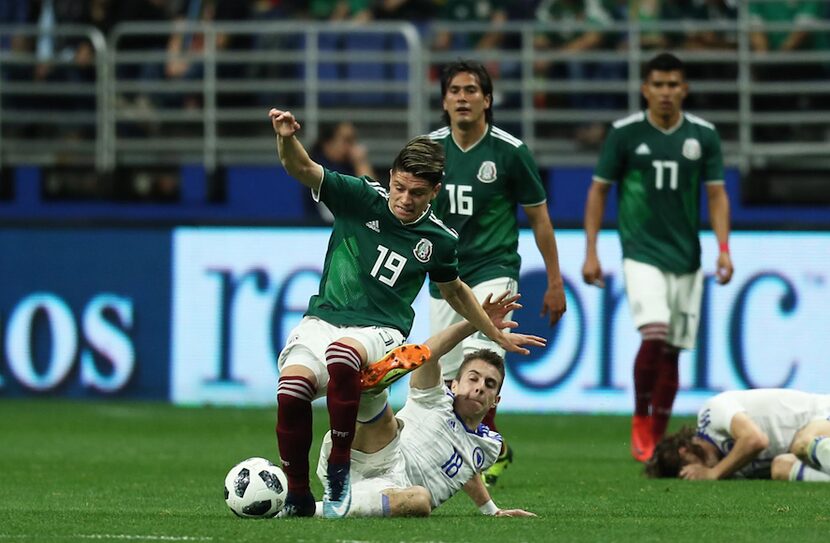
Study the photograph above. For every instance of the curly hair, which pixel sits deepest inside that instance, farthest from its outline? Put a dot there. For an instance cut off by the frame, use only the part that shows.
(666, 461)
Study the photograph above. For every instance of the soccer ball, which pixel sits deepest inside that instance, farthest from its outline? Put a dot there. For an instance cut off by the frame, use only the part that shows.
(255, 488)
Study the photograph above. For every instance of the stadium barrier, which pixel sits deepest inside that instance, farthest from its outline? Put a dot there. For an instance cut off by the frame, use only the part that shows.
(129, 114)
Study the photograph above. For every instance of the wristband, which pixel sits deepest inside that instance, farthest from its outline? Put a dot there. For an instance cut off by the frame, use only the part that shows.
(489, 508)
(724, 247)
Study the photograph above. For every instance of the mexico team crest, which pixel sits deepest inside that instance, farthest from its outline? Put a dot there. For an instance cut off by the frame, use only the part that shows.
(423, 251)
(487, 172)
(691, 149)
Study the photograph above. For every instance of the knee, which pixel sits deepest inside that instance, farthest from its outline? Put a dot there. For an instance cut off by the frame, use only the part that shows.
(420, 502)
(782, 465)
(412, 502)
(346, 350)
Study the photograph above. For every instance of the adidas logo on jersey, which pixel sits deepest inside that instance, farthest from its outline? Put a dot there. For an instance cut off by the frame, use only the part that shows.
(373, 225)
(642, 150)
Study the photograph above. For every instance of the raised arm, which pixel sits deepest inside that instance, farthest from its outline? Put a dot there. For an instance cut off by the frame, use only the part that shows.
(429, 374)
(594, 210)
(292, 154)
(750, 440)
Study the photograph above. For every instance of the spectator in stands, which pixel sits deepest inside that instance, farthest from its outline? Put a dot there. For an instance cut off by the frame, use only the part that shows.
(337, 149)
(186, 42)
(694, 13)
(563, 38)
(471, 11)
(14, 12)
(340, 10)
(800, 38)
(647, 11)
(803, 14)
(403, 10)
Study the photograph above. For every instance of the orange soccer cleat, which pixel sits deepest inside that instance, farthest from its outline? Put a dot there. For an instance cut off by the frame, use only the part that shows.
(642, 442)
(397, 363)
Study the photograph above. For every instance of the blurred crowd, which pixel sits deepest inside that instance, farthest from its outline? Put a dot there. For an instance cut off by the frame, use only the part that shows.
(70, 59)
(105, 14)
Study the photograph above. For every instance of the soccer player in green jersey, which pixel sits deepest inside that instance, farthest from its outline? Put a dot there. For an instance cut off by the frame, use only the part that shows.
(659, 158)
(383, 245)
(488, 172)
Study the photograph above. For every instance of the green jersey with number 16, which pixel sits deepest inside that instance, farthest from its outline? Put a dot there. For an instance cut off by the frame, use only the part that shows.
(481, 188)
(659, 173)
(375, 265)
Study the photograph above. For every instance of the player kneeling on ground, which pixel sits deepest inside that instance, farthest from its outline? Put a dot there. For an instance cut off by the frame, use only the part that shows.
(757, 434)
(409, 463)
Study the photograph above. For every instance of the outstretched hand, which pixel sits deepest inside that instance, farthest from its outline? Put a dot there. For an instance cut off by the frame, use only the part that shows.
(514, 513)
(284, 123)
(497, 310)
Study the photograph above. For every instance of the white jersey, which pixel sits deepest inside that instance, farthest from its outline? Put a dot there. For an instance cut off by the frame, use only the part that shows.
(441, 453)
(779, 413)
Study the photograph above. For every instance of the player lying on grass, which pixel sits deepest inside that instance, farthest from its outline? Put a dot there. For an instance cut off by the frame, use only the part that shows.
(760, 434)
(409, 463)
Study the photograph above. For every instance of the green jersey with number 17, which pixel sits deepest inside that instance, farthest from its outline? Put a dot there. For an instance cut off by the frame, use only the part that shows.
(481, 189)
(375, 264)
(659, 174)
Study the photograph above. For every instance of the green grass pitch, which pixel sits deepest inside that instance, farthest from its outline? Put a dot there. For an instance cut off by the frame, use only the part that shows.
(113, 471)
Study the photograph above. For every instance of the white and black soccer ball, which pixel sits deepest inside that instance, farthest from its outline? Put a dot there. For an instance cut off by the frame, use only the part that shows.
(255, 488)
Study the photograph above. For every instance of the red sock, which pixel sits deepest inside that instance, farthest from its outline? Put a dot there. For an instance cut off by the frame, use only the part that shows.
(343, 363)
(490, 419)
(645, 374)
(294, 395)
(665, 389)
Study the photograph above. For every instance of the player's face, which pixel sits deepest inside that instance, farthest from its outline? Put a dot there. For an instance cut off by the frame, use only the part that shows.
(476, 390)
(409, 195)
(664, 92)
(465, 102)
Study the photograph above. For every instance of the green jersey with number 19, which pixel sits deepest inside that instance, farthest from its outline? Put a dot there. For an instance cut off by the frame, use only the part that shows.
(376, 265)
(659, 173)
(481, 189)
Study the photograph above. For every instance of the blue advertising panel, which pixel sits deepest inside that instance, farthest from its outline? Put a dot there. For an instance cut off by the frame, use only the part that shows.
(238, 292)
(85, 312)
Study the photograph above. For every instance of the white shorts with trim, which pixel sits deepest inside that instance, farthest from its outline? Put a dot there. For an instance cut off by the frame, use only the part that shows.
(655, 296)
(442, 316)
(370, 474)
(308, 341)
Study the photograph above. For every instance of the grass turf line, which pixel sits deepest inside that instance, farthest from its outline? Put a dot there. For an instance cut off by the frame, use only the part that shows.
(114, 471)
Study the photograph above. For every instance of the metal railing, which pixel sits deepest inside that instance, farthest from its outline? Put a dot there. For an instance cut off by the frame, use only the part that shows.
(382, 77)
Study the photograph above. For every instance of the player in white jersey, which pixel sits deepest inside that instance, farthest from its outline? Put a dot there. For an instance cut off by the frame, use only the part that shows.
(761, 433)
(410, 463)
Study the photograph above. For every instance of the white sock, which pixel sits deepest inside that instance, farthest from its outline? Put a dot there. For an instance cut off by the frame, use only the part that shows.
(802, 472)
(369, 503)
(820, 453)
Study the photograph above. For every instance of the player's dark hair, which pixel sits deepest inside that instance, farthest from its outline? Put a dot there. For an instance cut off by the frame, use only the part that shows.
(484, 81)
(487, 356)
(422, 158)
(666, 461)
(664, 62)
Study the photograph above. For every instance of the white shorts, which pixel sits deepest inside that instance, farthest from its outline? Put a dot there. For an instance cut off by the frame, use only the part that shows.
(370, 474)
(442, 316)
(308, 341)
(655, 296)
